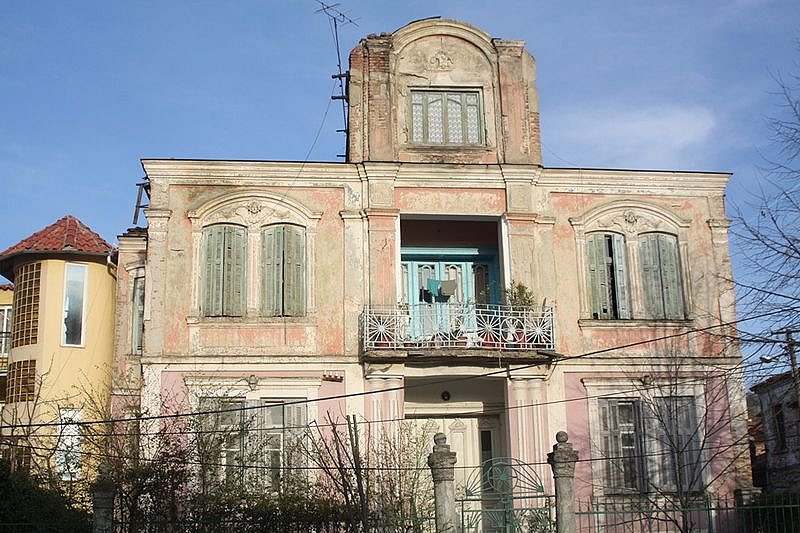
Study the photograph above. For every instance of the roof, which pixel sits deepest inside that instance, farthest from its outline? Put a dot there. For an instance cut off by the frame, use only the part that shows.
(67, 234)
(771, 381)
(6, 286)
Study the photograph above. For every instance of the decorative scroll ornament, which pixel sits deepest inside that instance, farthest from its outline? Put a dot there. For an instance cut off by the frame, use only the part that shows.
(440, 62)
(629, 222)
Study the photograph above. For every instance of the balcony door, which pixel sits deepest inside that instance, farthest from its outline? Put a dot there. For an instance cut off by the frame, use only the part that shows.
(440, 286)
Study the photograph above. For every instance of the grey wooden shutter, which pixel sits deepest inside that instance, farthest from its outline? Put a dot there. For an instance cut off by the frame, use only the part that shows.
(296, 422)
(651, 275)
(294, 271)
(272, 242)
(620, 276)
(671, 286)
(599, 304)
(212, 280)
(233, 300)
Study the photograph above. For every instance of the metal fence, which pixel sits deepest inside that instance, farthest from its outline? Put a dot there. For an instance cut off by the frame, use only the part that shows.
(704, 515)
(457, 325)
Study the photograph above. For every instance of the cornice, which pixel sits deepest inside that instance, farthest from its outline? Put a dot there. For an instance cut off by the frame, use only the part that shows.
(633, 181)
(277, 172)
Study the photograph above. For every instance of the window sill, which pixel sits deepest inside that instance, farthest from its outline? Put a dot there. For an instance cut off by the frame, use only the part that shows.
(633, 323)
(449, 147)
(238, 321)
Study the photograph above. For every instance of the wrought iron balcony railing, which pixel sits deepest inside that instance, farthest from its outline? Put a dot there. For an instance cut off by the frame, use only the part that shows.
(457, 325)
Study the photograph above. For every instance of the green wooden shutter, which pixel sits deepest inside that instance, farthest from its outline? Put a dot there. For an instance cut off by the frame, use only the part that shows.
(651, 275)
(272, 240)
(294, 271)
(212, 279)
(671, 286)
(597, 278)
(620, 276)
(233, 300)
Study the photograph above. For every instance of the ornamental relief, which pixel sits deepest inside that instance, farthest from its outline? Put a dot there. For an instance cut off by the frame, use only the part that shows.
(440, 62)
(252, 213)
(630, 222)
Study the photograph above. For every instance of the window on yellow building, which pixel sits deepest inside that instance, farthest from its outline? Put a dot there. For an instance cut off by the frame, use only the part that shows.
(25, 329)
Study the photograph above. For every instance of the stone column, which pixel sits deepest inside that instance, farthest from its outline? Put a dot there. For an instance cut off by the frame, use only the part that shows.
(562, 460)
(103, 502)
(442, 462)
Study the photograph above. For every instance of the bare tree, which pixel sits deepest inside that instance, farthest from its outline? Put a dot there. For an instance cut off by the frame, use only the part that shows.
(767, 233)
(668, 442)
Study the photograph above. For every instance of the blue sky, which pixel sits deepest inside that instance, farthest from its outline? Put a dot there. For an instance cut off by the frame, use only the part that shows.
(88, 88)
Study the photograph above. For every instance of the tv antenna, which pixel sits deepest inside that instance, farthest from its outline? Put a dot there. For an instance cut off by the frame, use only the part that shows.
(337, 17)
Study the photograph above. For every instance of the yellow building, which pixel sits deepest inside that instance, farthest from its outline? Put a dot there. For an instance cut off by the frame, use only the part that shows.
(61, 341)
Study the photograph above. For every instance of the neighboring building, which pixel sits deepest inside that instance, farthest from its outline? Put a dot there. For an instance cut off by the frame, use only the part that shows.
(261, 283)
(6, 298)
(780, 422)
(61, 342)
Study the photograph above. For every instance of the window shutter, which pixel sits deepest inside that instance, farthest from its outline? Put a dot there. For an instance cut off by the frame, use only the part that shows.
(598, 280)
(233, 301)
(296, 417)
(212, 281)
(670, 276)
(651, 275)
(272, 239)
(137, 314)
(661, 450)
(691, 454)
(294, 271)
(621, 276)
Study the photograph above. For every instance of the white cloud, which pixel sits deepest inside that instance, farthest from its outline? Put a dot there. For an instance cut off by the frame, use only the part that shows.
(666, 136)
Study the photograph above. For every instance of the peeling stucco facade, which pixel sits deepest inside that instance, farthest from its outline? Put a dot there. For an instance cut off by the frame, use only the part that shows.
(396, 201)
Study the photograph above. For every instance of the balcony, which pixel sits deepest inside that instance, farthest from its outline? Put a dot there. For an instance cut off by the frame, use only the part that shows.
(457, 325)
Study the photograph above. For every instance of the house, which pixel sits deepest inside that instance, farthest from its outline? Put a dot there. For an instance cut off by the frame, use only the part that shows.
(443, 277)
(60, 346)
(780, 424)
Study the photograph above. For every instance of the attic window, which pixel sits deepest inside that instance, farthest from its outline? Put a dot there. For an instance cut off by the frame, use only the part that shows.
(446, 117)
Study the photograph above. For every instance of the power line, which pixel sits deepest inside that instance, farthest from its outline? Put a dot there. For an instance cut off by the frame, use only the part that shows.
(505, 370)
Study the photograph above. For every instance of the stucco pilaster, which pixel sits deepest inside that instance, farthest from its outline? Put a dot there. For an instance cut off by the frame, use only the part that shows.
(156, 276)
(722, 266)
(354, 279)
(382, 255)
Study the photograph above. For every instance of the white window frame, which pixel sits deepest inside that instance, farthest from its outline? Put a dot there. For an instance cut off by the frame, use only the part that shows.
(65, 304)
(267, 390)
(598, 389)
(632, 219)
(446, 92)
(68, 449)
(5, 329)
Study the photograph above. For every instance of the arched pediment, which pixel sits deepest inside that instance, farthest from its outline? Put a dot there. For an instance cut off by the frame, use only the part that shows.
(253, 209)
(629, 217)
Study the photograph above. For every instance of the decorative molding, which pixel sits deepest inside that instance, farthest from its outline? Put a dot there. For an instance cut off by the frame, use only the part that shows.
(439, 62)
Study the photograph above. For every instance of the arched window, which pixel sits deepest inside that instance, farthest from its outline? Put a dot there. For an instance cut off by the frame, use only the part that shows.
(224, 260)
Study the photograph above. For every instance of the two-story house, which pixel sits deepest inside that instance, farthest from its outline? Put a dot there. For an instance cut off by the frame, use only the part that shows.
(380, 286)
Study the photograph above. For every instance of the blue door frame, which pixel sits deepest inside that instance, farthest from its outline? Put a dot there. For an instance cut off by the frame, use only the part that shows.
(475, 270)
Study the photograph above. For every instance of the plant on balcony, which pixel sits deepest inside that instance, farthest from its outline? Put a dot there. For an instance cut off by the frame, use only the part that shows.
(518, 294)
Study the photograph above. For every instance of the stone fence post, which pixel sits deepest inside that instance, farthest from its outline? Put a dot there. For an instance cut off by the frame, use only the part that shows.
(562, 460)
(103, 502)
(442, 463)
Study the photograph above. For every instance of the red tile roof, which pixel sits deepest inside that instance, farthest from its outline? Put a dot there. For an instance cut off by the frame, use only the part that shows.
(6, 286)
(67, 234)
